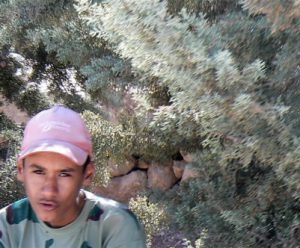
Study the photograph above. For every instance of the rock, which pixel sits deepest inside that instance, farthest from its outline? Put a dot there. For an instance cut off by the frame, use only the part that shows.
(188, 157)
(189, 172)
(161, 176)
(124, 187)
(178, 168)
(116, 170)
(143, 164)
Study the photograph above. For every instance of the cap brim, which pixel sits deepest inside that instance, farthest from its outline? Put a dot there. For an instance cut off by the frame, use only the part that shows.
(68, 150)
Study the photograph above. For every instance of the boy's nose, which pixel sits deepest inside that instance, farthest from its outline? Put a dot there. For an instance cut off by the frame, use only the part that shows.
(50, 186)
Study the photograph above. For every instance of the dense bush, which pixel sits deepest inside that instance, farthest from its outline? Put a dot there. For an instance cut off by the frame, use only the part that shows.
(10, 137)
(152, 216)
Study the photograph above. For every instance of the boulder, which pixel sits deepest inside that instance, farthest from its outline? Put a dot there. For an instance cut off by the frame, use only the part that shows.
(188, 157)
(178, 168)
(116, 170)
(142, 164)
(161, 176)
(124, 187)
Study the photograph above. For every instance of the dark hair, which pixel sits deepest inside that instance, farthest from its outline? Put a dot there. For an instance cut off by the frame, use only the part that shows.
(86, 163)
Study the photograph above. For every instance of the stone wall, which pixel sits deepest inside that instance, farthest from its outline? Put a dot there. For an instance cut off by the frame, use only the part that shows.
(136, 176)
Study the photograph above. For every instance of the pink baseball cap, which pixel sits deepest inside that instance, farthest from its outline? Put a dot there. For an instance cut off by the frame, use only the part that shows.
(60, 130)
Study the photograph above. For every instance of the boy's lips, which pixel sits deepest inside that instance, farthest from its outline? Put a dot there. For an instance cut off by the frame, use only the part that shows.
(48, 205)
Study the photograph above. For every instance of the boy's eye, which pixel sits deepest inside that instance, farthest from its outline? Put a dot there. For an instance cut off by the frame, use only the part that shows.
(39, 172)
(64, 174)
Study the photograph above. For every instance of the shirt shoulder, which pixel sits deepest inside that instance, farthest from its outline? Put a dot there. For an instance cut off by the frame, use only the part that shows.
(105, 207)
(120, 227)
(13, 221)
(17, 212)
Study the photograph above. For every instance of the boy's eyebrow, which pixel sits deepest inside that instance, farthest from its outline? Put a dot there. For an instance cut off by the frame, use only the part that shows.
(36, 166)
(68, 170)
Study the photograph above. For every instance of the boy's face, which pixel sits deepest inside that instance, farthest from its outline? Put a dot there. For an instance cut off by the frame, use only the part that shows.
(52, 183)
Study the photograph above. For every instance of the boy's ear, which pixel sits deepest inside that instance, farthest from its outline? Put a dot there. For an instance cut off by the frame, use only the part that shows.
(20, 172)
(89, 174)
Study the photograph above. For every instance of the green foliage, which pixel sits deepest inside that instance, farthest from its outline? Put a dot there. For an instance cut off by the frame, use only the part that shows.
(39, 34)
(10, 137)
(14, 88)
(76, 52)
(152, 216)
(9, 133)
(107, 79)
(108, 142)
(11, 190)
(211, 8)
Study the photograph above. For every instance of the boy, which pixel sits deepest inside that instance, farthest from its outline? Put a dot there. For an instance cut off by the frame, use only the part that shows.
(54, 164)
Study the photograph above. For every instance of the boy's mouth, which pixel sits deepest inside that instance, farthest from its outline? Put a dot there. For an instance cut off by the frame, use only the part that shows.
(48, 205)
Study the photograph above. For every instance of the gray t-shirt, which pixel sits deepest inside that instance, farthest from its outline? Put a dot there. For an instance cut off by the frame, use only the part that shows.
(102, 223)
